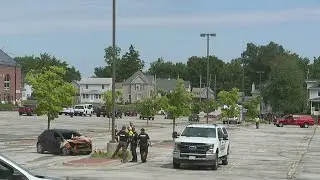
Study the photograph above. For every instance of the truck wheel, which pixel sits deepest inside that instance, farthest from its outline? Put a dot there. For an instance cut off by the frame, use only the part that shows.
(306, 125)
(176, 165)
(281, 124)
(215, 162)
(301, 126)
(153, 118)
(20, 114)
(139, 117)
(90, 115)
(98, 115)
(224, 122)
(60, 113)
(104, 115)
(225, 160)
(75, 114)
(29, 114)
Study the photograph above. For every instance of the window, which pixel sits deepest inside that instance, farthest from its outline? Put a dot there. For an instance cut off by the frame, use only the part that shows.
(199, 132)
(224, 131)
(318, 93)
(99, 96)
(220, 133)
(96, 96)
(87, 86)
(138, 87)
(87, 96)
(83, 96)
(102, 86)
(138, 96)
(7, 82)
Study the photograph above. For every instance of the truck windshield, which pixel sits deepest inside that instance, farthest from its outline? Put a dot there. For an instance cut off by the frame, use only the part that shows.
(199, 132)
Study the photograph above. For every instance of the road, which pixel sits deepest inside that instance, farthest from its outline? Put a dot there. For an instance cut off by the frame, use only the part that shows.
(266, 153)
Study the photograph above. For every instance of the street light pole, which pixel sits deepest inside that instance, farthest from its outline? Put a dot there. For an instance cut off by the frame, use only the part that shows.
(114, 52)
(208, 35)
(260, 89)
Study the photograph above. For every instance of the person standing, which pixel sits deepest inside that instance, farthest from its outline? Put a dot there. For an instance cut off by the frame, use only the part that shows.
(144, 143)
(133, 145)
(123, 144)
(257, 120)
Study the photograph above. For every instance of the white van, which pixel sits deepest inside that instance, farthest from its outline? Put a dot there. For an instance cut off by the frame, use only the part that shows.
(83, 109)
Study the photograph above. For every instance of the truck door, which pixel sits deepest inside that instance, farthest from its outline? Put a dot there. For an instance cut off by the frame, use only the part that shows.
(291, 120)
(222, 146)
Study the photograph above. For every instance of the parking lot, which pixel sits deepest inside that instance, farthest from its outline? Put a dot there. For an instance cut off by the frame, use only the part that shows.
(267, 153)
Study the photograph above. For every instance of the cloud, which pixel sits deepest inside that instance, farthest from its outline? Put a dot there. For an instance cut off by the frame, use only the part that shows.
(95, 15)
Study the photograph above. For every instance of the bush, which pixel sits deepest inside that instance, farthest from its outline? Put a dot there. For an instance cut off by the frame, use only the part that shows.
(124, 108)
(8, 107)
(101, 153)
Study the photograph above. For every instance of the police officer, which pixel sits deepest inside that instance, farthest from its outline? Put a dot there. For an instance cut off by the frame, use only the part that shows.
(133, 145)
(123, 144)
(144, 142)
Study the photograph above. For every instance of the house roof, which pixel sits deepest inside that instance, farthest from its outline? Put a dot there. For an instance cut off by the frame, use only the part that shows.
(95, 81)
(5, 59)
(135, 75)
(203, 89)
(169, 84)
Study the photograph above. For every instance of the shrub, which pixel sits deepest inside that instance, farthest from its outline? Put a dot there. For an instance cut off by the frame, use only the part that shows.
(8, 107)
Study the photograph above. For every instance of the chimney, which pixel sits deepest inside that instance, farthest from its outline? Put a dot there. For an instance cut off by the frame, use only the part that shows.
(253, 88)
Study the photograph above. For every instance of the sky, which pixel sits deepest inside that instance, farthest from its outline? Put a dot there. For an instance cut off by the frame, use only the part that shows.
(77, 31)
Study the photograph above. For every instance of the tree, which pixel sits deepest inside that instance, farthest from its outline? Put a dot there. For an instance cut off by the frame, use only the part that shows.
(179, 101)
(51, 91)
(126, 65)
(37, 63)
(252, 107)
(107, 99)
(151, 105)
(284, 90)
(210, 104)
(228, 100)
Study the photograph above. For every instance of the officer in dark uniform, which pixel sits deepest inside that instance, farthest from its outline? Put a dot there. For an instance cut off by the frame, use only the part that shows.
(133, 145)
(144, 142)
(123, 144)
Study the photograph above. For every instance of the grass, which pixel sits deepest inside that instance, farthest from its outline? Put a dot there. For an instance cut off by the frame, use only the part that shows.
(104, 154)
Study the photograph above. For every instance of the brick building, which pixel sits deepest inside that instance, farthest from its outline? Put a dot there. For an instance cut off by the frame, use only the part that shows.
(10, 79)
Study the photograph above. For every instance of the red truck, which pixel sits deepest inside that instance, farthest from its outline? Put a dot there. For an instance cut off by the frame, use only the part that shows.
(27, 109)
(304, 121)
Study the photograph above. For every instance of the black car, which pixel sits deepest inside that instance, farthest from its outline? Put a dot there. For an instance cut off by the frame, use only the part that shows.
(194, 117)
(118, 114)
(146, 117)
(64, 142)
(101, 111)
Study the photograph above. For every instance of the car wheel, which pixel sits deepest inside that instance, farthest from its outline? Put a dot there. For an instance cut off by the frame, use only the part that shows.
(176, 165)
(60, 113)
(20, 114)
(152, 118)
(75, 114)
(40, 148)
(225, 160)
(139, 117)
(65, 151)
(306, 125)
(98, 115)
(104, 115)
(215, 162)
(224, 122)
(65, 113)
(90, 115)
(301, 126)
(281, 124)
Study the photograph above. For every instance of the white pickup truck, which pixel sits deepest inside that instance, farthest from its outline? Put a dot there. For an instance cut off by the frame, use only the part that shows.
(201, 144)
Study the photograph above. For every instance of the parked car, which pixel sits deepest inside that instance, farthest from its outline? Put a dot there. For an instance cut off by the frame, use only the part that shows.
(29, 110)
(117, 115)
(231, 120)
(194, 117)
(83, 109)
(11, 170)
(67, 111)
(102, 110)
(130, 113)
(64, 142)
(161, 112)
(168, 115)
(304, 121)
(201, 144)
(146, 117)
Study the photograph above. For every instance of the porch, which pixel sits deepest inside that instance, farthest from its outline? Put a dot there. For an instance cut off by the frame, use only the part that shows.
(315, 106)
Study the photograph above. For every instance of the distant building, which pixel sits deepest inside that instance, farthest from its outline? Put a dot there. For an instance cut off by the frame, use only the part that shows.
(201, 93)
(10, 79)
(313, 90)
(26, 92)
(90, 90)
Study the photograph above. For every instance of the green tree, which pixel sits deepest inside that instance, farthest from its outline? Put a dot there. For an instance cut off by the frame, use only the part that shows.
(107, 99)
(37, 63)
(168, 69)
(284, 90)
(252, 107)
(151, 105)
(126, 65)
(51, 91)
(179, 101)
(229, 99)
(210, 104)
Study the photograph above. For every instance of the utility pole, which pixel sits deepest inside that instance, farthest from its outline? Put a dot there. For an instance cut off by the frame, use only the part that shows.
(243, 93)
(200, 86)
(114, 53)
(260, 89)
(208, 35)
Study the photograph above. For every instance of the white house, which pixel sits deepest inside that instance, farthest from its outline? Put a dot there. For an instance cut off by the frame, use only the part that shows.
(90, 89)
(313, 89)
(26, 92)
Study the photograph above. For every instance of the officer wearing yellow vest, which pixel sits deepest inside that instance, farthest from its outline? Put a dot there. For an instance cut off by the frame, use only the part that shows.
(257, 120)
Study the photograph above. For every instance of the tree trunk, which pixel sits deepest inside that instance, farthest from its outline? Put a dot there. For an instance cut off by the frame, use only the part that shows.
(109, 122)
(148, 120)
(49, 122)
(174, 125)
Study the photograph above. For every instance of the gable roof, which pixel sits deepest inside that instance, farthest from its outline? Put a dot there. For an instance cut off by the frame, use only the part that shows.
(95, 81)
(135, 75)
(169, 84)
(6, 60)
(203, 90)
